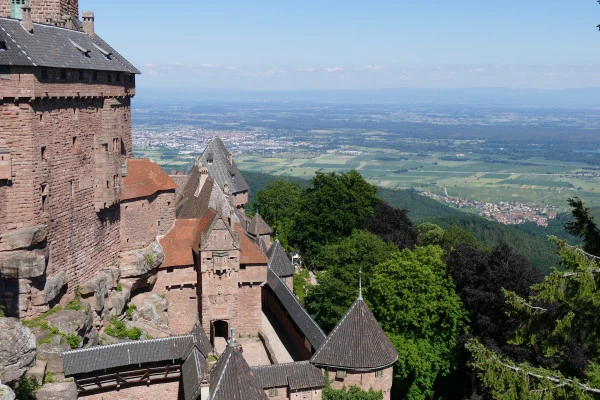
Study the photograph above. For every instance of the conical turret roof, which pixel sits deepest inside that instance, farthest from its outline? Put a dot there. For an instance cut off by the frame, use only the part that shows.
(356, 343)
(232, 378)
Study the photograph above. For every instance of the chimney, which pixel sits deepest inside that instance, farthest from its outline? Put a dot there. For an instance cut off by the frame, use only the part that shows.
(230, 158)
(27, 20)
(88, 22)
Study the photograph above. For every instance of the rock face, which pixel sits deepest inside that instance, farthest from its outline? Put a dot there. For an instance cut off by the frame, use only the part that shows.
(23, 263)
(17, 349)
(141, 261)
(116, 303)
(151, 308)
(71, 322)
(6, 393)
(23, 238)
(54, 285)
(57, 391)
(51, 354)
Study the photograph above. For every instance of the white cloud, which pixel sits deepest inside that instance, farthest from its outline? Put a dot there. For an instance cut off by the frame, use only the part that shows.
(374, 68)
(334, 69)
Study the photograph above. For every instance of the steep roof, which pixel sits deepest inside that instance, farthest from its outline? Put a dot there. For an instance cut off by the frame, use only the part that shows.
(51, 46)
(232, 378)
(309, 328)
(183, 238)
(300, 375)
(216, 158)
(250, 252)
(258, 226)
(356, 343)
(144, 178)
(279, 261)
(201, 340)
(193, 203)
(193, 372)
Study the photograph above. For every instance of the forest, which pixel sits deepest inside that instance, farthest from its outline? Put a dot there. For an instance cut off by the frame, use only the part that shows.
(470, 318)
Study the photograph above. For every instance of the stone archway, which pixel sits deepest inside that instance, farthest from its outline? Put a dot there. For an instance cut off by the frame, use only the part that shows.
(219, 334)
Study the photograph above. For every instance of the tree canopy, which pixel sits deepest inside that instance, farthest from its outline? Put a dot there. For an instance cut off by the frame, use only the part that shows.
(583, 226)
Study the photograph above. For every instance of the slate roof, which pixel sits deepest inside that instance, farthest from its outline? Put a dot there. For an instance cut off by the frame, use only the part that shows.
(258, 226)
(201, 340)
(309, 328)
(279, 261)
(215, 157)
(51, 46)
(297, 375)
(356, 343)
(121, 354)
(144, 178)
(232, 378)
(188, 205)
(193, 372)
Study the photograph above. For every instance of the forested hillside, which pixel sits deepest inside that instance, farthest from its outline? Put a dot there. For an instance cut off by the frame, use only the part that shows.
(528, 240)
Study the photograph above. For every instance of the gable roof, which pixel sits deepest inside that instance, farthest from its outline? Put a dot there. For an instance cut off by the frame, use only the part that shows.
(144, 178)
(279, 261)
(250, 252)
(309, 328)
(183, 238)
(258, 226)
(215, 158)
(232, 378)
(300, 375)
(52, 46)
(356, 343)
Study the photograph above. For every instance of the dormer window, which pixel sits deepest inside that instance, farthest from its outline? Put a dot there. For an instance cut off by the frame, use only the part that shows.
(209, 158)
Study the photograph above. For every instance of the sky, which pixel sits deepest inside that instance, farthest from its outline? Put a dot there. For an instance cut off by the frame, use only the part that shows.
(356, 44)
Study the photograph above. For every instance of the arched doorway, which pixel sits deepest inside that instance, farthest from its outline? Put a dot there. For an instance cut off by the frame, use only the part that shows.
(219, 332)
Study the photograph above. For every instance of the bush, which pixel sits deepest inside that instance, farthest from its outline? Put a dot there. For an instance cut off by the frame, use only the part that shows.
(119, 330)
(25, 387)
(150, 259)
(130, 309)
(48, 377)
(119, 287)
(73, 340)
(75, 306)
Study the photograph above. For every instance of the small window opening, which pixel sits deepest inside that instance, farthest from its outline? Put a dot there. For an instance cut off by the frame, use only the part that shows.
(75, 144)
(379, 374)
(95, 76)
(107, 185)
(340, 374)
(43, 153)
(3, 45)
(63, 74)
(169, 270)
(105, 146)
(272, 392)
(158, 223)
(44, 188)
(109, 77)
(115, 180)
(72, 186)
(44, 73)
(80, 74)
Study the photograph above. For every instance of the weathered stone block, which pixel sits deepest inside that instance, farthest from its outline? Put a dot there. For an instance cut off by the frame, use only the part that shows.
(37, 371)
(54, 285)
(22, 238)
(141, 261)
(150, 307)
(17, 349)
(23, 263)
(112, 277)
(116, 302)
(71, 322)
(57, 391)
(6, 393)
(98, 286)
(51, 353)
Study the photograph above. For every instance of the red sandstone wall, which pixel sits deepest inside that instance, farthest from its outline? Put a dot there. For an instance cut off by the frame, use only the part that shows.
(282, 393)
(165, 211)
(306, 395)
(157, 391)
(365, 380)
(250, 320)
(240, 199)
(138, 223)
(253, 273)
(179, 287)
(43, 9)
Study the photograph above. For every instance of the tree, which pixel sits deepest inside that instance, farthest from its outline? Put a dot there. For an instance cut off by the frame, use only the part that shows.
(392, 225)
(337, 285)
(331, 209)
(278, 205)
(560, 318)
(414, 301)
(584, 226)
(430, 234)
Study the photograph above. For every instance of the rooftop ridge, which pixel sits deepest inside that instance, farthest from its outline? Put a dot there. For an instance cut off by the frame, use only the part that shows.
(114, 345)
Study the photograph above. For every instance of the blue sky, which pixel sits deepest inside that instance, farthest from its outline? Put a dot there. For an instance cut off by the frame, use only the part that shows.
(330, 44)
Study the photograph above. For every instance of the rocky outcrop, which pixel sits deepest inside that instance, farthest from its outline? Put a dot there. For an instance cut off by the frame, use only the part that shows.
(97, 287)
(51, 354)
(116, 303)
(23, 238)
(151, 308)
(71, 322)
(37, 371)
(54, 285)
(139, 262)
(23, 263)
(17, 349)
(57, 391)
(6, 393)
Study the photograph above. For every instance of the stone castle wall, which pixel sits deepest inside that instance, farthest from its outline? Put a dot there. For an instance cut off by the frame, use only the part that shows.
(365, 380)
(250, 320)
(179, 286)
(164, 391)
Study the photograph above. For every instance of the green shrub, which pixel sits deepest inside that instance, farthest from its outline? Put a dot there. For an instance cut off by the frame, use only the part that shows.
(48, 377)
(73, 340)
(134, 333)
(119, 287)
(150, 259)
(25, 387)
(75, 306)
(130, 309)
(2, 311)
(119, 330)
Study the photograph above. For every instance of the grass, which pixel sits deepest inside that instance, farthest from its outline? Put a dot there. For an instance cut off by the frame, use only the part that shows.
(72, 339)
(119, 330)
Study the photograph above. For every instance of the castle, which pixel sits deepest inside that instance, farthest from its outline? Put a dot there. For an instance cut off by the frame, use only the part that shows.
(79, 215)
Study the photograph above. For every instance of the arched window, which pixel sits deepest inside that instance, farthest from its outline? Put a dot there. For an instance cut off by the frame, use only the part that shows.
(15, 8)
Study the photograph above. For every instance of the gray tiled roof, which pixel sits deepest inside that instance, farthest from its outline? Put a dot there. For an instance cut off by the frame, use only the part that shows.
(51, 46)
(279, 261)
(297, 375)
(232, 378)
(216, 158)
(127, 353)
(201, 340)
(258, 226)
(356, 343)
(189, 206)
(193, 371)
(309, 328)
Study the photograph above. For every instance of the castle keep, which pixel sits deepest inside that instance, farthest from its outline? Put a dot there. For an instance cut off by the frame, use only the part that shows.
(81, 218)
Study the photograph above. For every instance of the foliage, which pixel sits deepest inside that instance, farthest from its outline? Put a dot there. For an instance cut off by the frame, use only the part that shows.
(130, 309)
(75, 306)
(25, 387)
(560, 322)
(337, 285)
(414, 301)
(301, 282)
(583, 226)
(48, 377)
(331, 209)
(430, 234)
(2, 311)
(392, 225)
(119, 287)
(73, 340)
(353, 393)
(278, 205)
(419, 206)
(119, 329)
(150, 258)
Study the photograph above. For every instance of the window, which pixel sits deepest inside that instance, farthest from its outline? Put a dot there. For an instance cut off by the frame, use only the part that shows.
(209, 158)
(63, 74)
(75, 145)
(3, 45)
(340, 374)
(72, 186)
(109, 77)
(43, 153)
(4, 72)
(105, 147)
(95, 75)
(116, 145)
(44, 73)
(169, 270)
(44, 188)
(272, 392)
(80, 74)
(379, 374)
